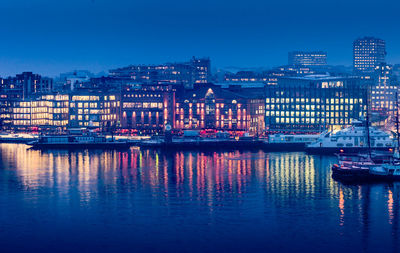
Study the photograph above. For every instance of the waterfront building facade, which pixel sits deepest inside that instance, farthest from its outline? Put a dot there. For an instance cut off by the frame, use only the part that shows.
(313, 103)
(45, 112)
(94, 110)
(20, 87)
(147, 108)
(211, 106)
(57, 112)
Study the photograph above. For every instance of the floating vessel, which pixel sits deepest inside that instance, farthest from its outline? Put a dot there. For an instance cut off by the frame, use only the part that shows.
(358, 167)
(201, 143)
(90, 140)
(352, 140)
(17, 138)
(388, 171)
(370, 167)
(290, 141)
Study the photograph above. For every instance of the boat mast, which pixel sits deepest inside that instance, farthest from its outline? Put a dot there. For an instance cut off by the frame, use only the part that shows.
(367, 124)
(397, 122)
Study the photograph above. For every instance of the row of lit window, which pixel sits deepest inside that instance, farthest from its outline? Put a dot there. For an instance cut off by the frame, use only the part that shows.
(142, 95)
(314, 100)
(84, 105)
(85, 98)
(311, 121)
(306, 114)
(142, 105)
(310, 108)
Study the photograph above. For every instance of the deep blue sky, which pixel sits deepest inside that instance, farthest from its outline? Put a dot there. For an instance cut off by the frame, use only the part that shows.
(53, 36)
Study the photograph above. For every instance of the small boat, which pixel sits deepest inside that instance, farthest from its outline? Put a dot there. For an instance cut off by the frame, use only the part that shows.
(353, 168)
(387, 172)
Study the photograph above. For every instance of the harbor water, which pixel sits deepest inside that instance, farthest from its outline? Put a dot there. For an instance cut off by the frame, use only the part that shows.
(139, 200)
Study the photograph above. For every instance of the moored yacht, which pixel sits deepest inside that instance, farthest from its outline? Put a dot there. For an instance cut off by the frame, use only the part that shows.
(353, 139)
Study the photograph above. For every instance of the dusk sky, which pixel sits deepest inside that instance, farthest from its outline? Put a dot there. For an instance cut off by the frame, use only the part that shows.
(49, 37)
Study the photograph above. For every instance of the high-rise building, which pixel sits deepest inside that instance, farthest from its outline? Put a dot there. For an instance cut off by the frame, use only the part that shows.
(308, 59)
(368, 53)
(201, 69)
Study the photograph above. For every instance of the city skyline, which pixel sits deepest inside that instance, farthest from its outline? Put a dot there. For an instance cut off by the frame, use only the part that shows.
(157, 32)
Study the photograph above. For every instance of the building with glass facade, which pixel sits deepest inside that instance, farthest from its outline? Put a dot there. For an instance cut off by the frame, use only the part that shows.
(59, 111)
(94, 109)
(313, 103)
(45, 111)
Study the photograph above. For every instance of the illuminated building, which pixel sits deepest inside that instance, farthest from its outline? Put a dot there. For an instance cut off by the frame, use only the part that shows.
(94, 109)
(307, 59)
(212, 106)
(22, 114)
(28, 84)
(22, 86)
(59, 111)
(368, 53)
(183, 73)
(202, 69)
(46, 112)
(313, 103)
(383, 91)
(5, 110)
(147, 108)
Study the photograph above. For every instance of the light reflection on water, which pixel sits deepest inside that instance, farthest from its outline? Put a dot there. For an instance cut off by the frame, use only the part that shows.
(212, 201)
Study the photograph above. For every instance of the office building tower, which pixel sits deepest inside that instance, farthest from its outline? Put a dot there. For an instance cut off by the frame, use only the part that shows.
(368, 53)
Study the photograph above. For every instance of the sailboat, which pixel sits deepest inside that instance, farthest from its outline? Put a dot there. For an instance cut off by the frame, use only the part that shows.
(356, 167)
(391, 169)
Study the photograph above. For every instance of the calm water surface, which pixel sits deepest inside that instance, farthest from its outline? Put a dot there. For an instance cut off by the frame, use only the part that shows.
(154, 201)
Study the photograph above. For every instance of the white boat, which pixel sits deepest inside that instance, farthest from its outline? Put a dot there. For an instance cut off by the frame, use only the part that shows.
(293, 138)
(352, 140)
(386, 171)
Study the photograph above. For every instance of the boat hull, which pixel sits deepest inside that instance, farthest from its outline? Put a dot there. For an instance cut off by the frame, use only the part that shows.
(350, 175)
(106, 145)
(360, 176)
(336, 150)
(224, 144)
